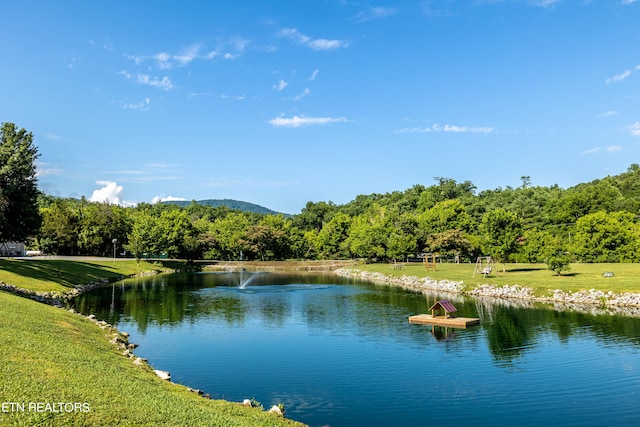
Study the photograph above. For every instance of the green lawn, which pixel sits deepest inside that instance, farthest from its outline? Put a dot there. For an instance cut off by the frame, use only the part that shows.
(60, 275)
(51, 355)
(536, 276)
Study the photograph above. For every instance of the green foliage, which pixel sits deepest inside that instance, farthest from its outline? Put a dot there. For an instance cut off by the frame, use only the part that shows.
(558, 262)
(501, 231)
(607, 237)
(19, 214)
(593, 222)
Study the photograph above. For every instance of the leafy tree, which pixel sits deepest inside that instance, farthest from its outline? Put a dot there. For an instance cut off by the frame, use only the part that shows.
(330, 240)
(99, 224)
(559, 262)
(501, 230)
(450, 243)
(444, 216)
(19, 214)
(229, 236)
(59, 232)
(314, 215)
(607, 237)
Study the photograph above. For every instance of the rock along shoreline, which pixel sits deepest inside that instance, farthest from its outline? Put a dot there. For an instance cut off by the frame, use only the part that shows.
(591, 301)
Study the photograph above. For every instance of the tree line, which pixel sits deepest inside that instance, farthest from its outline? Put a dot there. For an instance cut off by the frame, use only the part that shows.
(596, 221)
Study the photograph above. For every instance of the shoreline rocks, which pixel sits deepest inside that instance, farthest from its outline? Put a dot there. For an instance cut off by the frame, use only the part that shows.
(592, 300)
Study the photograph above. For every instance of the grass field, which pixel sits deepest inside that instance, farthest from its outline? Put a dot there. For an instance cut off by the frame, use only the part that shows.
(50, 355)
(60, 275)
(537, 276)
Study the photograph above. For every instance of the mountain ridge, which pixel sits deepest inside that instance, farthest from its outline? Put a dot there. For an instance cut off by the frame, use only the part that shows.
(230, 203)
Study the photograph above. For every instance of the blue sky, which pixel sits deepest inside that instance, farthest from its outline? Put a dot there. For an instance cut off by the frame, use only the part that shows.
(283, 102)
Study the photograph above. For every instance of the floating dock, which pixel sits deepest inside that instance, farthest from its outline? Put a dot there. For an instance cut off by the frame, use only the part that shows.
(452, 322)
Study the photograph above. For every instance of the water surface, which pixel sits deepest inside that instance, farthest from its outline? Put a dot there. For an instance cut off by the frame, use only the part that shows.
(342, 353)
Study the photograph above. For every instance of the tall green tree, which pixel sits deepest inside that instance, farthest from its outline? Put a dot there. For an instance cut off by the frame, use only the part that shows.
(19, 214)
(501, 230)
(607, 237)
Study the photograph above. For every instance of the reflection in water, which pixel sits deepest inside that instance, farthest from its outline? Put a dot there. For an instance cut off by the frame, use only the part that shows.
(342, 353)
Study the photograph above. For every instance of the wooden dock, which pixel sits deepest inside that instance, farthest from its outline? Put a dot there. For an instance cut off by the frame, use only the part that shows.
(452, 322)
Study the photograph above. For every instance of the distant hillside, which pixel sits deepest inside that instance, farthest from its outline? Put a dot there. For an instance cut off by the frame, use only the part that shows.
(231, 204)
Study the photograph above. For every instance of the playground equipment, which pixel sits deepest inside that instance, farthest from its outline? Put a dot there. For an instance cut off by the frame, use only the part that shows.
(484, 266)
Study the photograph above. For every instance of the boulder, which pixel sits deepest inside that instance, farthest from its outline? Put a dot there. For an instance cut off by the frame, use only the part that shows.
(162, 374)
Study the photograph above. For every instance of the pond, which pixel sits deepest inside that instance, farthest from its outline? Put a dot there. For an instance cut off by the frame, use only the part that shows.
(340, 353)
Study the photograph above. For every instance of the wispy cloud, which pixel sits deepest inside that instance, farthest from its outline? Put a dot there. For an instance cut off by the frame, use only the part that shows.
(619, 77)
(236, 97)
(634, 129)
(607, 114)
(298, 121)
(375, 13)
(280, 85)
(230, 49)
(544, 3)
(163, 198)
(315, 74)
(301, 95)
(166, 61)
(317, 44)
(43, 169)
(141, 106)
(609, 149)
(449, 128)
(628, 1)
(163, 83)
(53, 137)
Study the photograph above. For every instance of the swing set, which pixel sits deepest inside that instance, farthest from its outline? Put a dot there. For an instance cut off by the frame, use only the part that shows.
(484, 266)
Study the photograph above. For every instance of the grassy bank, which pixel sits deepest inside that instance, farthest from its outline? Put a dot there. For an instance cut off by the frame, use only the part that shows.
(537, 276)
(61, 275)
(50, 356)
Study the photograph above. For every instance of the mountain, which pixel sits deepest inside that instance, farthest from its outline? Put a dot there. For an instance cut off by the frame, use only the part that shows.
(231, 204)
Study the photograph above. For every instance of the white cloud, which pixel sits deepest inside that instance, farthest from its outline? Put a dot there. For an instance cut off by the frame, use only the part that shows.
(236, 97)
(613, 148)
(301, 95)
(166, 61)
(315, 74)
(145, 79)
(608, 114)
(109, 192)
(449, 128)
(136, 59)
(297, 121)
(628, 1)
(164, 198)
(375, 13)
(544, 3)
(53, 136)
(591, 151)
(43, 169)
(634, 129)
(142, 105)
(618, 78)
(280, 85)
(317, 44)
(164, 83)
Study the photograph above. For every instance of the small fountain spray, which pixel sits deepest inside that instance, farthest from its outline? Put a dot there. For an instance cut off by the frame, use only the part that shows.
(244, 282)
